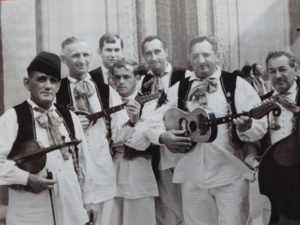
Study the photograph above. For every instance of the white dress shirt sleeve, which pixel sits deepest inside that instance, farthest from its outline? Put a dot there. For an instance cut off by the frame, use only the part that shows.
(155, 124)
(9, 172)
(120, 132)
(247, 98)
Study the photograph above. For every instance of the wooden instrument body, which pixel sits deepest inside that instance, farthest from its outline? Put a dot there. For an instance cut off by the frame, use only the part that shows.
(201, 125)
(279, 176)
(193, 123)
(92, 117)
(30, 156)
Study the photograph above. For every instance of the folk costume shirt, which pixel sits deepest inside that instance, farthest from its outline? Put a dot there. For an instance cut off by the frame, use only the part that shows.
(135, 177)
(27, 208)
(213, 164)
(98, 144)
(285, 120)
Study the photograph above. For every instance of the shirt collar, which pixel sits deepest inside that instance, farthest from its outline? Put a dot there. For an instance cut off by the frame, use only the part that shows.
(73, 80)
(167, 71)
(216, 74)
(132, 96)
(34, 105)
(104, 69)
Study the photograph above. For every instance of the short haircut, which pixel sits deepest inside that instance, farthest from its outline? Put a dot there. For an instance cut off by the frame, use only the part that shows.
(123, 63)
(201, 39)
(109, 38)
(247, 70)
(69, 41)
(276, 54)
(151, 38)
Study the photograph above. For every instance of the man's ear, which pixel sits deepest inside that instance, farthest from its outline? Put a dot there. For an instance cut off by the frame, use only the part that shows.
(62, 58)
(57, 86)
(26, 83)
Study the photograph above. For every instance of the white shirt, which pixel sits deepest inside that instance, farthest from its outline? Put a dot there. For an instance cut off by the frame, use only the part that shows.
(285, 118)
(167, 158)
(135, 177)
(104, 172)
(165, 79)
(28, 208)
(213, 164)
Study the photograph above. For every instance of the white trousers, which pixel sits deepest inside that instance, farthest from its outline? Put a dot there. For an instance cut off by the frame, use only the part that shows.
(139, 211)
(105, 213)
(224, 205)
(168, 204)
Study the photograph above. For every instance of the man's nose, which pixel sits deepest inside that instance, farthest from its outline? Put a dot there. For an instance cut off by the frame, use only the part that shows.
(277, 74)
(48, 83)
(201, 59)
(81, 59)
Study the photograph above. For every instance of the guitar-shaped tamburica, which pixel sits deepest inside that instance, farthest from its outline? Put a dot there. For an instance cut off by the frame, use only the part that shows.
(92, 117)
(201, 125)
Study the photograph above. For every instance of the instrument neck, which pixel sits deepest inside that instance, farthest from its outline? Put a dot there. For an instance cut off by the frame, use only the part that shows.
(105, 112)
(226, 119)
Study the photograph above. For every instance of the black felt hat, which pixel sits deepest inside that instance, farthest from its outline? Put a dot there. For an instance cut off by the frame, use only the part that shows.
(47, 63)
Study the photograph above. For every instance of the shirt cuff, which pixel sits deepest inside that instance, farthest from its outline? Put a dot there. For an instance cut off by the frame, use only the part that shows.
(22, 176)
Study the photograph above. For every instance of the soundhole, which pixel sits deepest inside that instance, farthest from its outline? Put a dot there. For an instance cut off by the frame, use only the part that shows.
(193, 126)
(276, 112)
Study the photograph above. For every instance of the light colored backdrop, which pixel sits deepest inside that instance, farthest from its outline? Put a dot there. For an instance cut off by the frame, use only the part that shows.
(246, 30)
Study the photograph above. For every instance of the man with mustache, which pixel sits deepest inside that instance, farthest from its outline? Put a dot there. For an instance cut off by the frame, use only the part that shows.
(281, 183)
(160, 76)
(81, 92)
(39, 119)
(110, 51)
(213, 177)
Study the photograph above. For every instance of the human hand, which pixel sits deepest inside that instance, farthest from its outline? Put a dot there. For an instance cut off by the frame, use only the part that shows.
(243, 123)
(92, 210)
(175, 142)
(133, 109)
(85, 123)
(37, 183)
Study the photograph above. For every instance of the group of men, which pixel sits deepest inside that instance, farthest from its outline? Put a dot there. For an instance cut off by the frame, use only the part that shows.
(129, 168)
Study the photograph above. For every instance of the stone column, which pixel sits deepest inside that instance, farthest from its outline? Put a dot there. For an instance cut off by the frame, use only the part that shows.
(226, 33)
(146, 21)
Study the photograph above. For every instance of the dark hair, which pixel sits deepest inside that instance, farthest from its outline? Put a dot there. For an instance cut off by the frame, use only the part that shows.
(123, 63)
(275, 54)
(109, 38)
(210, 40)
(239, 73)
(151, 38)
(255, 71)
(247, 70)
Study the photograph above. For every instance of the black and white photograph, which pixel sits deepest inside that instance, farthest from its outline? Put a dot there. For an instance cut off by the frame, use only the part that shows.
(150, 112)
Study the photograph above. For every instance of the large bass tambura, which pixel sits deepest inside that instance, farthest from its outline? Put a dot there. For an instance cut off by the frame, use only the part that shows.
(279, 175)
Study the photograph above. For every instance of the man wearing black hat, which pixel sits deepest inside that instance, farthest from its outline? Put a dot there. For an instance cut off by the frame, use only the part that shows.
(56, 192)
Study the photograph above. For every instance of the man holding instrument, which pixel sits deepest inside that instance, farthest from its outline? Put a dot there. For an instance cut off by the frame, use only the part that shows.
(83, 92)
(214, 181)
(136, 184)
(279, 171)
(38, 121)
